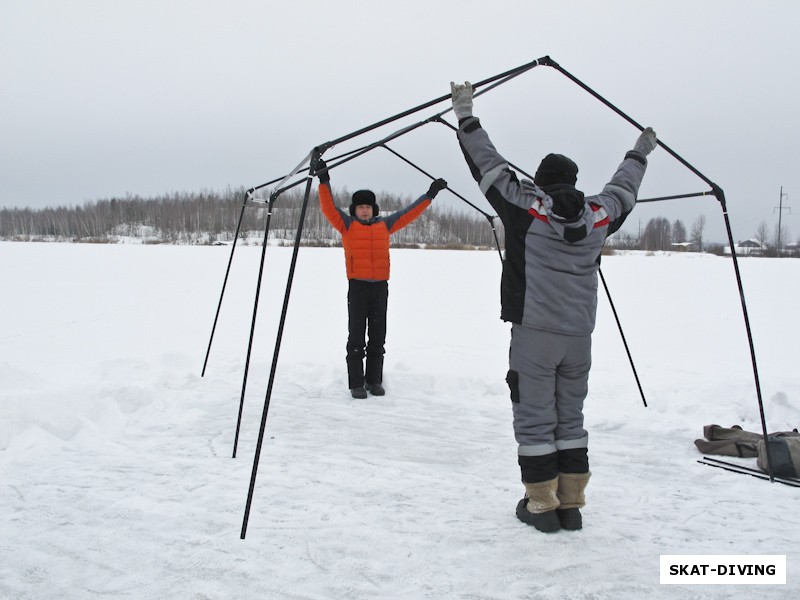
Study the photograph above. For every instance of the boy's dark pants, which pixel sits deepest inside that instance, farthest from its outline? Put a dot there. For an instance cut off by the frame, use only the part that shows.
(366, 309)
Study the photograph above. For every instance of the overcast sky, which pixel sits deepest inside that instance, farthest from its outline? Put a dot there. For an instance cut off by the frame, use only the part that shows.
(107, 98)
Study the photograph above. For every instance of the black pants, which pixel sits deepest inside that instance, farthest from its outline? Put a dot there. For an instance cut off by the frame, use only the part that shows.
(366, 309)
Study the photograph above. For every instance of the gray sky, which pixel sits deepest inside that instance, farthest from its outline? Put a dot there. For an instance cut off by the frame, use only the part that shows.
(106, 98)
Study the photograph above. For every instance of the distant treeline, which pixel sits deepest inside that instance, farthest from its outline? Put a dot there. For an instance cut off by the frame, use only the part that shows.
(211, 217)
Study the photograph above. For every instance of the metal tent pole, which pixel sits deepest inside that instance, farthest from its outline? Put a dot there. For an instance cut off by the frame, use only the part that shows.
(278, 340)
(253, 323)
(720, 195)
(225, 281)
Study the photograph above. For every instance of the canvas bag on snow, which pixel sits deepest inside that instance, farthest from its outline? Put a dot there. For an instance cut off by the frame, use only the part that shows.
(784, 453)
(784, 447)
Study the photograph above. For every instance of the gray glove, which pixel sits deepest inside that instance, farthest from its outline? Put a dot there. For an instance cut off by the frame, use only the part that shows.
(462, 99)
(647, 142)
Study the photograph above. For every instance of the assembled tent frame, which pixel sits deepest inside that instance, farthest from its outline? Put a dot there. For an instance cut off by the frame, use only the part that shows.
(310, 165)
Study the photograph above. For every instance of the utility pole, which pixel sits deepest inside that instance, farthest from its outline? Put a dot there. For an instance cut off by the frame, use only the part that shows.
(639, 238)
(780, 214)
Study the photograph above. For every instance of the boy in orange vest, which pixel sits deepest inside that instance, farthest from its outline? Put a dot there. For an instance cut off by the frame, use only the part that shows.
(365, 237)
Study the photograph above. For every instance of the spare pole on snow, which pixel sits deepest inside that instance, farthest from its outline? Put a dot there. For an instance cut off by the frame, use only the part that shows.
(720, 195)
(315, 155)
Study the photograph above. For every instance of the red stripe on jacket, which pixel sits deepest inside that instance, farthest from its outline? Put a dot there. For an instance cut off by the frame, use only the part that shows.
(543, 217)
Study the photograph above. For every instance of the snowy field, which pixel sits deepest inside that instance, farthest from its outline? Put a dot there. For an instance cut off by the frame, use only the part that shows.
(116, 476)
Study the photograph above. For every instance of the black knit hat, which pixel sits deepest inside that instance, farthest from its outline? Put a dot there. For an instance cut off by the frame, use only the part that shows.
(364, 197)
(556, 168)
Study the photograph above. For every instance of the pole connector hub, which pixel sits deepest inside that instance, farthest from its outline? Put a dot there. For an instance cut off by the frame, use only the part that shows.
(547, 62)
(719, 195)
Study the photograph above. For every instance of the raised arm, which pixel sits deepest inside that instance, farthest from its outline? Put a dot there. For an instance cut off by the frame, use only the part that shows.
(494, 176)
(336, 216)
(396, 221)
(619, 195)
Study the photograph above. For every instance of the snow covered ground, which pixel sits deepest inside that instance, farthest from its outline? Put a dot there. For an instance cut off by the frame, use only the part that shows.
(116, 476)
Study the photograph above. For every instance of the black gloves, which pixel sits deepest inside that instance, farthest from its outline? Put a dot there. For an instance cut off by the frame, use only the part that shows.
(322, 171)
(437, 186)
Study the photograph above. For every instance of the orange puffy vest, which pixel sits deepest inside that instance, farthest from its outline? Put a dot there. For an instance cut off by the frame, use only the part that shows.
(366, 244)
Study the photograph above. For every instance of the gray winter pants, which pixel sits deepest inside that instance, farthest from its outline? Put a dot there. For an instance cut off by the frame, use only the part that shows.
(548, 378)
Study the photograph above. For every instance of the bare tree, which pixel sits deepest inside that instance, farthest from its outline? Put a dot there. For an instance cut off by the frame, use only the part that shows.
(624, 240)
(698, 227)
(762, 233)
(678, 232)
(780, 237)
(657, 235)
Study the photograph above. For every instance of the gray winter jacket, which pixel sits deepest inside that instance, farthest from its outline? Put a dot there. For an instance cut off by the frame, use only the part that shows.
(549, 277)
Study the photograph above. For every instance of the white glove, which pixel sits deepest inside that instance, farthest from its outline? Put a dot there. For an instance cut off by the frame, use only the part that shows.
(647, 142)
(462, 99)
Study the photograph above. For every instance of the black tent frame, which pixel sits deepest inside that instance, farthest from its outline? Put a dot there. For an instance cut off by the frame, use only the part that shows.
(310, 166)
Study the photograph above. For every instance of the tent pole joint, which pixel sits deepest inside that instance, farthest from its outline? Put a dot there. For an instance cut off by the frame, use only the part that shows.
(717, 192)
(548, 62)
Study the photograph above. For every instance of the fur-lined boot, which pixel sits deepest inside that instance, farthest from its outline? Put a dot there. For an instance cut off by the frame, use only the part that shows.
(571, 498)
(538, 507)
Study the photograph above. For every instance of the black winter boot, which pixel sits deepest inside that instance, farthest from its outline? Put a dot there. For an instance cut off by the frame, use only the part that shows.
(538, 507)
(571, 488)
(570, 518)
(359, 392)
(546, 522)
(376, 389)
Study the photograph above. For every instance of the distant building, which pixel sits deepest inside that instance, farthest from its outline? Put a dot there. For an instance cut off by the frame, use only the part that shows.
(751, 247)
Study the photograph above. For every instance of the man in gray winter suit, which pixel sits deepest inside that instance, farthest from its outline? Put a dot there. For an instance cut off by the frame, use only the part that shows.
(549, 293)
